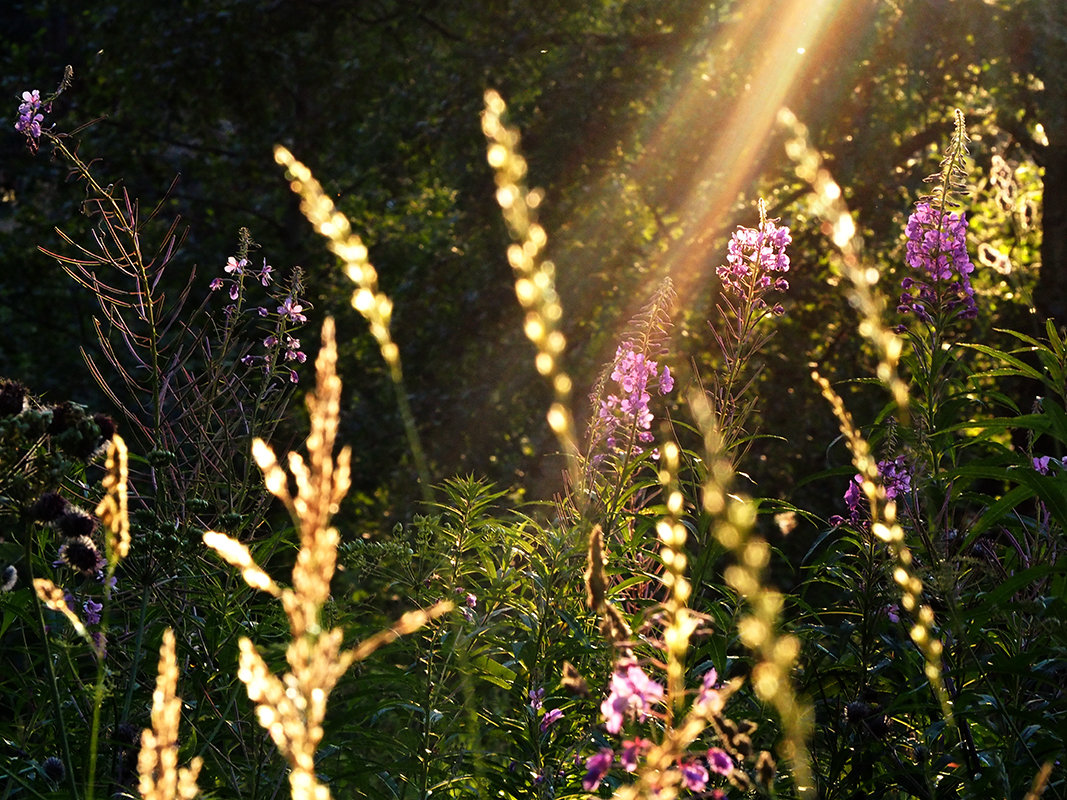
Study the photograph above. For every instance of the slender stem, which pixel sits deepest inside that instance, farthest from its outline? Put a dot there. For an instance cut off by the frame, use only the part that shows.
(411, 432)
(101, 674)
(52, 683)
(138, 652)
(94, 735)
(147, 302)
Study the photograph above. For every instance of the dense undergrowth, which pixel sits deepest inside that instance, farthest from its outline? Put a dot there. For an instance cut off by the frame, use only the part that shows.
(639, 636)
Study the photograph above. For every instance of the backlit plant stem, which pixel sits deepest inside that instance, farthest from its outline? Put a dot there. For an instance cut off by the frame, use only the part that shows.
(826, 200)
(884, 525)
(132, 257)
(535, 284)
(827, 203)
(679, 625)
(733, 519)
(373, 304)
(113, 514)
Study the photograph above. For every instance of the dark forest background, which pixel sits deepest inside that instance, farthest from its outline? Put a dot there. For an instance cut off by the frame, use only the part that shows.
(642, 122)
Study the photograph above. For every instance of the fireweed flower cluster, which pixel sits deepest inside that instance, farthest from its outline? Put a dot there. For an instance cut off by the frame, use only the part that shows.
(936, 252)
(283, 308)
(756, 262)
(897, 482)
(31, 115)
(632, 694)
(625, 416)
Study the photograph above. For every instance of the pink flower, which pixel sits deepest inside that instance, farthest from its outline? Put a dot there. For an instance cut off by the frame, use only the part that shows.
(631, 751)
(291, 309)
(537, 697)
(596, 767)
(632, 694)
(937, 254)
(30, 118)
(92, 611)
(235, 267)
(719, 761)
(709, 701)
(694, 776)
(751, 256)
(627, 412)
(550, 718)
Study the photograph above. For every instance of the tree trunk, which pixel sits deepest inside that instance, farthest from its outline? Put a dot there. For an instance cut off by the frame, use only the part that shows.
(1050, 297)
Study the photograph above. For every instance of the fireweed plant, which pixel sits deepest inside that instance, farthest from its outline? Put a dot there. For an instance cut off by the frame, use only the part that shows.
(196, 368)
(922, 499)
(928, 631)
(752, 278)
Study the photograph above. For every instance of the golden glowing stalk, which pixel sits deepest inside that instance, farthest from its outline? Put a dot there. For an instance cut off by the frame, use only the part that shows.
(160, 778)
(52, 596)
(292, 707)
(373, 304)
(884, 525)
(758, 628)
(679, 624)
(112, 510)
(535, 283)
(826, 202)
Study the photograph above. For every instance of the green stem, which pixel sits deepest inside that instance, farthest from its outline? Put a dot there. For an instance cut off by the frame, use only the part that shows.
(94, 735)
(138, 654)
(52, 683)
(101, 674)
(411, 432)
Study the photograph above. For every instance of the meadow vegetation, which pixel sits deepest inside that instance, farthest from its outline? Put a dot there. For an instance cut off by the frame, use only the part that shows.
(661, 626)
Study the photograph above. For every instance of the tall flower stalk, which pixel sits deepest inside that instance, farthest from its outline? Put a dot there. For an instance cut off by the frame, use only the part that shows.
(756, 264)
(826, 200)
(292, 708)
(938, 293)
(621, 428)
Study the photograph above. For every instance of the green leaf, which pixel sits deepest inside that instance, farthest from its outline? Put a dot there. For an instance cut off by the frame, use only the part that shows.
(493, 672)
